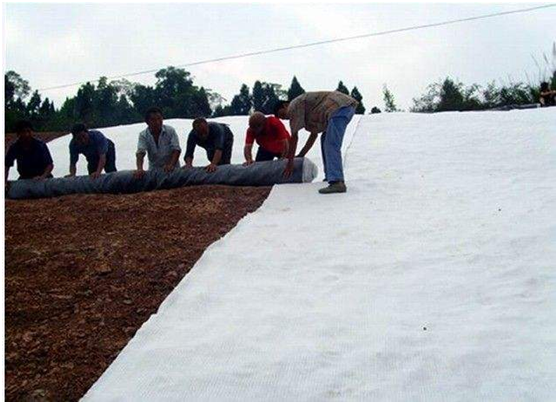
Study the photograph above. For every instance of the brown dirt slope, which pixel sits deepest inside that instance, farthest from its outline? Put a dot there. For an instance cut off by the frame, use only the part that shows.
(83, 272)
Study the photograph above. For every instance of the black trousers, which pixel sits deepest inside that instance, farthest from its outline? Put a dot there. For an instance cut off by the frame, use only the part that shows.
(110, 165)
(266, 155)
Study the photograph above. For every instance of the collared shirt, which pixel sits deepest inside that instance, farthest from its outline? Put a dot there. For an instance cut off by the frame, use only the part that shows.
(160, 153)
(32, 159)
(312, 110)
(219, 137)
(272, 136)
(97, 145)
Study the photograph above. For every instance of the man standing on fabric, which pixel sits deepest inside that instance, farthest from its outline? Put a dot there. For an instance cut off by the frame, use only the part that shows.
(33, 157)
(97, 149)
(324, 111)
(160, 143)
(215, 138)
(271, 136)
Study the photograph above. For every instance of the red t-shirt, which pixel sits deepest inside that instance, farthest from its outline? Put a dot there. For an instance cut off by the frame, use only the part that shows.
(272, 136)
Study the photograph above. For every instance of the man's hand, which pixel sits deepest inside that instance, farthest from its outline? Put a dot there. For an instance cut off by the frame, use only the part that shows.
(248, 162)
(95, 175)
(211, 168)
(288, 168)
(187, 166)
(69, 175)
(168, 168)
(139, 174)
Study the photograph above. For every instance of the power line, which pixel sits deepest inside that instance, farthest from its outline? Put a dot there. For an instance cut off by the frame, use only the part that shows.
(307, 45)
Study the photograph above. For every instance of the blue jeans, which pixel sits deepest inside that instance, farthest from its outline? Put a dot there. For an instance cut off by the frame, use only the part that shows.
(332, 139)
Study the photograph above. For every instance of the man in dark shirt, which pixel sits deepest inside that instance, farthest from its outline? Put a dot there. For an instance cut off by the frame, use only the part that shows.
(97, 149)
(215, 138)
(32, 155)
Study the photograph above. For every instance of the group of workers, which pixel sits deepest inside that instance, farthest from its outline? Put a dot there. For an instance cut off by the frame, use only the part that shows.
(326, 112)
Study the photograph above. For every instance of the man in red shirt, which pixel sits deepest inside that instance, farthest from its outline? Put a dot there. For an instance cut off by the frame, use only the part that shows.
(270, 135)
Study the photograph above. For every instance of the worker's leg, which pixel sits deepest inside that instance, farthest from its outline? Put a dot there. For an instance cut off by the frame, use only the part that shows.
(322, 141)
(334, 140)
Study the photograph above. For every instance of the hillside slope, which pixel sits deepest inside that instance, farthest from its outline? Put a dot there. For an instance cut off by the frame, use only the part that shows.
(433, 278)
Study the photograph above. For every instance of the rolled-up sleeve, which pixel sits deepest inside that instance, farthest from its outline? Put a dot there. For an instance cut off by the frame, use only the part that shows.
(174, 141)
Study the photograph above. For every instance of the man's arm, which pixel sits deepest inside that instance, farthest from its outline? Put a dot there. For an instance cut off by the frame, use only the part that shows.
(100, 166)
(285, 151)
(46, 173)
(190, 148)
(248, 154)
(188, 162)
(74, 157)
(140, 155)
(292, 149)
(215, 162)
(308, 145)
(172, 161)
(73, 170)
(248, 144)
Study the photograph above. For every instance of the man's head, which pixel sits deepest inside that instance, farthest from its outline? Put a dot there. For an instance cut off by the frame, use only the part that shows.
(544, 86)
(79, 132)
(257, 122)
(154, 119)
(24, 130)
(201, 127)
(280, 109)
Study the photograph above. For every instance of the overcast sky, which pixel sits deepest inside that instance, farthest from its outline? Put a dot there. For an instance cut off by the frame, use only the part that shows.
(58, 44)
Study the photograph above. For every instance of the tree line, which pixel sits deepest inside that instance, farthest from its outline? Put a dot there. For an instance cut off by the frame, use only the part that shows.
(121, 102)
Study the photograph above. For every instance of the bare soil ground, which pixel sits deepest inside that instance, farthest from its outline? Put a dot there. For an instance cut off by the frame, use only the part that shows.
(83, 272)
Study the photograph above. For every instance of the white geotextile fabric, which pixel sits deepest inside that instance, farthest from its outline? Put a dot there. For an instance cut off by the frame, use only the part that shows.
(433, 278)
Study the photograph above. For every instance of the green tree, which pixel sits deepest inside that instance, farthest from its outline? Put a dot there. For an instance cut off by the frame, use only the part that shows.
(143, 98)
(360, 109)
(258, 96)
(389, 100)
(342, 89)
(15, 87)
(242, 102)
(295, 89)
(272, 93)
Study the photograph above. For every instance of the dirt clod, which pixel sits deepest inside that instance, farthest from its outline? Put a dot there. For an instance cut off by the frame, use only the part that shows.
(84, 272)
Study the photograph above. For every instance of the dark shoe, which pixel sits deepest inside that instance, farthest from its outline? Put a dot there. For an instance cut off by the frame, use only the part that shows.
(334, 188)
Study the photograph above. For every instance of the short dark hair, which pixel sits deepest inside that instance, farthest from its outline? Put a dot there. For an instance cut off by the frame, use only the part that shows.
(544, 86)
(20, 126)
(278, 105)
(198, 120)
(152, 110)
(78, 128)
